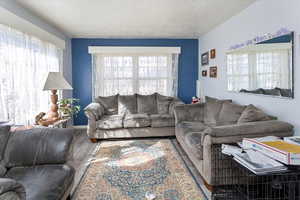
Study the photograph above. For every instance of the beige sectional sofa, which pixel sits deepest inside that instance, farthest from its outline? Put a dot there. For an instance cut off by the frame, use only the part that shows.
(202, 128)
(126, 116)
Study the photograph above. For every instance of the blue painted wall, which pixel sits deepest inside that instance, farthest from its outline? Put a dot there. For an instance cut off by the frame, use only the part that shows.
(82, 70)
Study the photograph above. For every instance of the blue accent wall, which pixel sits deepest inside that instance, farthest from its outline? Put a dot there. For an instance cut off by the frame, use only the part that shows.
(82, 66)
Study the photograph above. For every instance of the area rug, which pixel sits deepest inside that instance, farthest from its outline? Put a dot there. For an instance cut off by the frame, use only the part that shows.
(127, 170)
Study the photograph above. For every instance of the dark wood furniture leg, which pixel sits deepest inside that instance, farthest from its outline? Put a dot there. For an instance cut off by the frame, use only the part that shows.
(94, 140)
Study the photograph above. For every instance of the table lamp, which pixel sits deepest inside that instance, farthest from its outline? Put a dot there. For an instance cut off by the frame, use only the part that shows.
(55, 81)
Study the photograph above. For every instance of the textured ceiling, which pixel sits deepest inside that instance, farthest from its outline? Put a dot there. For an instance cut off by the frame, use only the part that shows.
(135, 18)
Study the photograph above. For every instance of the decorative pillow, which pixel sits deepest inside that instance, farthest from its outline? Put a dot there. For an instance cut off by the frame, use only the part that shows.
(110, 103)
(127, 104)
(146, 104)
(252, 114)
(230, 113)
(212, 109)
(163, 103)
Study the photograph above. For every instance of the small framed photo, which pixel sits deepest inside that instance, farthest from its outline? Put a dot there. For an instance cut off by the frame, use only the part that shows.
(204, 73)
(213, 54)
(205, 59)
(213, 72)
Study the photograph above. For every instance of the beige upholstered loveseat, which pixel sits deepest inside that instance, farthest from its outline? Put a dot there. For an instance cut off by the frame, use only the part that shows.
(202, 128)
(125, 116)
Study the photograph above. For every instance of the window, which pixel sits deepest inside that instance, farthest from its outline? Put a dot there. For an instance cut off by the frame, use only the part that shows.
(129, 73)
(24, 64)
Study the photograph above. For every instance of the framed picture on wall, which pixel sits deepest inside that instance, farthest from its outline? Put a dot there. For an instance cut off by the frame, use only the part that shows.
(204, 73)
(205, 59)
(213, 54)
(213, 72)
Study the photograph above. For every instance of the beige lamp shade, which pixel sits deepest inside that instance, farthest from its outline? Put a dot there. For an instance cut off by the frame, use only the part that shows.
(56, 81)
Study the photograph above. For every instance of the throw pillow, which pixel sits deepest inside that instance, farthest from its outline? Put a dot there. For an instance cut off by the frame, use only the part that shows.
(212, 109)
(230, 113)
(252, 114)
(163, 104)
(146, 104)
(127, 104)
(110, 104)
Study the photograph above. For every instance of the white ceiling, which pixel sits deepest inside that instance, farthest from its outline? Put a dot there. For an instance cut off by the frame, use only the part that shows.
(135, 18)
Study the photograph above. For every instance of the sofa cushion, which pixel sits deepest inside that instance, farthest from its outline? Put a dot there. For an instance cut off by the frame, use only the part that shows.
(230, 113)
(252, 114)
(192, 126)
(212, 109)
(136, 120)
(162, 120)
(4, 135)
(110, 104)
(127, 104)
(146, 104)
(110, 122)
(163, 104)
(49, 182)
(193, 141)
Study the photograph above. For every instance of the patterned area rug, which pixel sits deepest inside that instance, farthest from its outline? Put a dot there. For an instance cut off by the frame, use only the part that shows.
(127, 170)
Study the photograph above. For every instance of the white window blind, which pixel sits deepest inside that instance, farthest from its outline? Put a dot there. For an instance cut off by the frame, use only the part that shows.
(135, 72)
(24, 64)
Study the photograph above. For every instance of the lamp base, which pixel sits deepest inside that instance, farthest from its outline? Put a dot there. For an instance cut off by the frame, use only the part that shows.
(52, 115)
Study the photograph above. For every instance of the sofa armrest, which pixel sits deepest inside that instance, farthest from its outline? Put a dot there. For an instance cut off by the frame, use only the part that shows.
(94, 111)
(189, 112)
(173, 104)
(11, 189)
(261, 127)
(38, 146)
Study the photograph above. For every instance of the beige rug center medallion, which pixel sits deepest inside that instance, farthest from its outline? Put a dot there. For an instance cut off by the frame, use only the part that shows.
(128, 170)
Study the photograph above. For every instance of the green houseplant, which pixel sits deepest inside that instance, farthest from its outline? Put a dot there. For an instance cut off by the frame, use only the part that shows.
(68, 107)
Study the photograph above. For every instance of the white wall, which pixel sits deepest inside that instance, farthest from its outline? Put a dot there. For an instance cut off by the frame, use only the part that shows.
(19, 11)
(263, 16)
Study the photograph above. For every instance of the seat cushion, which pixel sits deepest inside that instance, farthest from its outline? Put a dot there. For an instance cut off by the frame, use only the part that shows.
(192, 126)
(49, 182)
(136, 120)
(110, 104)
(127, 104)
(146, 104)
(252, 114)
(162, 120)
(212, 109)
(230, 113)
(110, 122)
(163, 104)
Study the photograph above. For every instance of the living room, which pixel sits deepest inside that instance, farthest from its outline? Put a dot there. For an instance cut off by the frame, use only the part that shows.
(133, 100)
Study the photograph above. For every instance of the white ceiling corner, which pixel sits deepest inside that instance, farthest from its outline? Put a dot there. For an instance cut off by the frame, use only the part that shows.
(135, 18)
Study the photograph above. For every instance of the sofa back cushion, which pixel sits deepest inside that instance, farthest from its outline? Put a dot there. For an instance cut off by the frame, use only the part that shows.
(4, 136)
(127, 104)
(146, 104)
(163, 103)
(110, 104)
(212, 109)
(252, 114)
(230, 113)
(38, 146)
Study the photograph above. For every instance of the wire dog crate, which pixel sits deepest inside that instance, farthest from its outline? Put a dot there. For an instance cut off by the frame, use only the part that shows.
(242, 184)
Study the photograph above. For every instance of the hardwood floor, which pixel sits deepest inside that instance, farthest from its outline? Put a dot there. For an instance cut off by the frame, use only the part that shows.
(83, 151)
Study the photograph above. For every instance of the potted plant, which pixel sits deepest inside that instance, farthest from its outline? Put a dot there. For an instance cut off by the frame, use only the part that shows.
(68, 107)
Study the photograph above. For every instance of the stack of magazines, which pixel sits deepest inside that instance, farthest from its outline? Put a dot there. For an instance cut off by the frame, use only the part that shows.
(258, 163)
(254, 160)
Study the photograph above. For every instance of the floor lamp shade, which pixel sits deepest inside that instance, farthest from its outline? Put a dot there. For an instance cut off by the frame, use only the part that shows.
(56, 81)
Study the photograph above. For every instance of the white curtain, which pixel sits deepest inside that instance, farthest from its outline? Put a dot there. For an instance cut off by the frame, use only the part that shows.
(260, 69)
(135, 73)
(24, 64)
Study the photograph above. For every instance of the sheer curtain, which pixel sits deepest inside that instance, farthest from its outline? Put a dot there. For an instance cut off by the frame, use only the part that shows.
(24, 63)
(135, 73)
